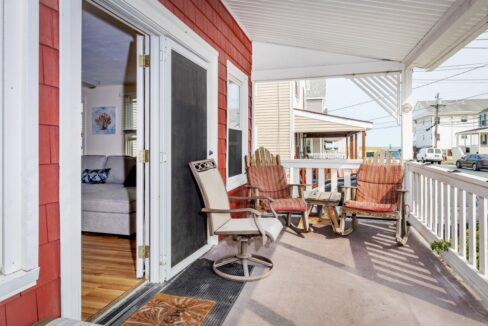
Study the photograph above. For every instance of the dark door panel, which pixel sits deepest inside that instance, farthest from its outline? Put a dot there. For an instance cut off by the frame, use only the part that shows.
(188, 143)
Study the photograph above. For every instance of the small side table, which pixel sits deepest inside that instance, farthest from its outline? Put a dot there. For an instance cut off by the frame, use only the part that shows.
(325, 200)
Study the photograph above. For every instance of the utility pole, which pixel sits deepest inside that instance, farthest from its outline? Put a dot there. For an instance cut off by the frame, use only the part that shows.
(437, 105)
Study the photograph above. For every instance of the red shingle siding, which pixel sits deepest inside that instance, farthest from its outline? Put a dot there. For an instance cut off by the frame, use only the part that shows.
(211, 20)
(43, 301)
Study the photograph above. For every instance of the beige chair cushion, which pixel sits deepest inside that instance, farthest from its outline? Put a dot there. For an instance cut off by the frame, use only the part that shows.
(246, 226)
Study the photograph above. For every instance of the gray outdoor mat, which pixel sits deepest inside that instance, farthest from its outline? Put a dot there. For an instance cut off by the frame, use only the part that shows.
(200, 281)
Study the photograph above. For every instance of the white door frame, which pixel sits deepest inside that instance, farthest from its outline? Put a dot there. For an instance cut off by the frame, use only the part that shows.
(158, 22)
(166, 125)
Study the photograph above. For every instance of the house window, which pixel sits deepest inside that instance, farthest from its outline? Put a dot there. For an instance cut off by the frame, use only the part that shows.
(464, 118)
(482, 120)
(484, 139)
(19, 152)
(130, 125)
(237, 131)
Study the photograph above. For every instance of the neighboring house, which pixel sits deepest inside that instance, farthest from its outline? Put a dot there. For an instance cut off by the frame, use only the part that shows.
(290, 124)
(454, 116)
(474, 140)
(315, 95)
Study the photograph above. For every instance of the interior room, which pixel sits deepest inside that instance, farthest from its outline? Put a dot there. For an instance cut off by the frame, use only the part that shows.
(109, 148)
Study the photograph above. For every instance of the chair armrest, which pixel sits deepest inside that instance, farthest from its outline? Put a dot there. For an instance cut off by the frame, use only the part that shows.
(252, 187)
(402, 190)
(233, 210)
(348, 187)
(256, 216)
(299, 185)
(251, 198)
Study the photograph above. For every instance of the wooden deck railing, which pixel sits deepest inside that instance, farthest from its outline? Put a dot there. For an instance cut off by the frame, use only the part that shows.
(452, 206)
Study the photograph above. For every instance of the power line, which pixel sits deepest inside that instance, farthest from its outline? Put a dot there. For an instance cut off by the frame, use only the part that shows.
(419, 86)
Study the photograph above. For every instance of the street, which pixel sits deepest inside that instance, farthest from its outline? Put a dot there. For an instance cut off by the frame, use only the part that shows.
(481, 173)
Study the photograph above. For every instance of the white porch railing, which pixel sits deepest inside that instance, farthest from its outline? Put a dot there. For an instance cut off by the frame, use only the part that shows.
(328, 156)
(452, 206)
(321, 168)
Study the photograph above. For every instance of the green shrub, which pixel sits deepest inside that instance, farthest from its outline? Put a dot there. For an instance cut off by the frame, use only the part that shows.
(441, 245)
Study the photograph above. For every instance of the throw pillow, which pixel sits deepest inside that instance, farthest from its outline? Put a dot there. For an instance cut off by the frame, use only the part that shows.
(95, 176)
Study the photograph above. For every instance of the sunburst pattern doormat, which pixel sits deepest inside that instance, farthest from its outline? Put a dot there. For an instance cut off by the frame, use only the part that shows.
(165, 309)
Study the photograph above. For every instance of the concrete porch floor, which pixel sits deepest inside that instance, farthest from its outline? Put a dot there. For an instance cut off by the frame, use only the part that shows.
(364, 279)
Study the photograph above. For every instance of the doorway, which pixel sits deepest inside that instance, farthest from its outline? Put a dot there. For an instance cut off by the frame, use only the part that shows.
(113, 160)
(153, 24)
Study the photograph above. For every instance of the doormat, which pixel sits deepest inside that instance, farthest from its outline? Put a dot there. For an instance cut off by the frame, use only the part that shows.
(165, 309)
(200, 281)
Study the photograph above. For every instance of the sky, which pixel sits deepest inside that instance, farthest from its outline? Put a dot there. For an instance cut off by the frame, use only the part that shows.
(342, 92)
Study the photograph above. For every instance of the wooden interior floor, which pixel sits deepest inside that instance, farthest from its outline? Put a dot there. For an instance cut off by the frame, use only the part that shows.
(108, 270)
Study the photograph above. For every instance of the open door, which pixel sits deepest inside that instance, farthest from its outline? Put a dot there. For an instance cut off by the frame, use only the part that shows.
(142, 238)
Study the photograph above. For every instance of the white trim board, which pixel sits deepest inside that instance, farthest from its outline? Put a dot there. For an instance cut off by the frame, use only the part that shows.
(19, 203)
(237, 76)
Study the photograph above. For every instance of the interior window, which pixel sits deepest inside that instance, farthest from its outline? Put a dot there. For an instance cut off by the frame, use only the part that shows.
(130, 125)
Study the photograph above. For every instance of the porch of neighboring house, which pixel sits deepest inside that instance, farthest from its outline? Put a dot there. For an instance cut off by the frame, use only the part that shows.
(323, 136)
(472, 141)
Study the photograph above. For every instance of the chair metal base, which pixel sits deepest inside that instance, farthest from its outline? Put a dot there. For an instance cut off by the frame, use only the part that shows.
(243, 257)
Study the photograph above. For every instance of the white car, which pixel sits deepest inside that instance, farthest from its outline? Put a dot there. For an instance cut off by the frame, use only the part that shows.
(430, 155)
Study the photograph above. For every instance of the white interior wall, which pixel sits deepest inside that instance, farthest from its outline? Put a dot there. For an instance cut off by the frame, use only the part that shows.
(100, 144)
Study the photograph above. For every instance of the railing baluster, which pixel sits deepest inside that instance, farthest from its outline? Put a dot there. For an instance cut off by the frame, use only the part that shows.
(455, 225)
(472, 232)
(421, 195)
(447, 232)
(440, 228)
(321, 179)
(462, 226)
(436, 207)
(483, 238)
(415, 195)
(296, 178)
(347, 177)
(309, 179)
(333, 178)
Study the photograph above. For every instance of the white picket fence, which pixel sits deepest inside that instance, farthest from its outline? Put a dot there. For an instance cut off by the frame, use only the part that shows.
(451, 206)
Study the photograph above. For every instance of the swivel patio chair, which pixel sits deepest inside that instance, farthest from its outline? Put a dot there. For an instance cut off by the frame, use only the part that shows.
(242, 230)
(379, 195)
(266, 177)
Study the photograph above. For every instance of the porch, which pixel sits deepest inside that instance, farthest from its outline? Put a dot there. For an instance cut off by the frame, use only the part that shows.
(364, 279)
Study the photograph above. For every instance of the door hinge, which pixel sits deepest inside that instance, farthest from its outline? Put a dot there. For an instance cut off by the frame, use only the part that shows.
(144, 60)
(143, 252)
(144, 156)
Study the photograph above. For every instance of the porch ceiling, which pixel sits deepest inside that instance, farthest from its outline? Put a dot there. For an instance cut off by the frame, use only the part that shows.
(422, 33)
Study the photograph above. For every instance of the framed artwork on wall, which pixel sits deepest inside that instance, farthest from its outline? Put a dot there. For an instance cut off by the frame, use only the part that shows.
(103, 120)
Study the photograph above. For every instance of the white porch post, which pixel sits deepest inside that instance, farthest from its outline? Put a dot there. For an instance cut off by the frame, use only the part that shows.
(406, 114)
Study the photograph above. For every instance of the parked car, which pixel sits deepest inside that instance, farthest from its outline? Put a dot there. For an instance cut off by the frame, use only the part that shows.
(474, 161)
(430, 155)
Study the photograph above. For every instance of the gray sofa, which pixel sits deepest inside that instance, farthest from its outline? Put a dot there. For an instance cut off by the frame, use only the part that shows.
(109, 207)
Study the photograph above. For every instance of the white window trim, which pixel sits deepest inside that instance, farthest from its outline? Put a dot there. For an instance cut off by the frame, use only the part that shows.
(20, 172)
(235, 75)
